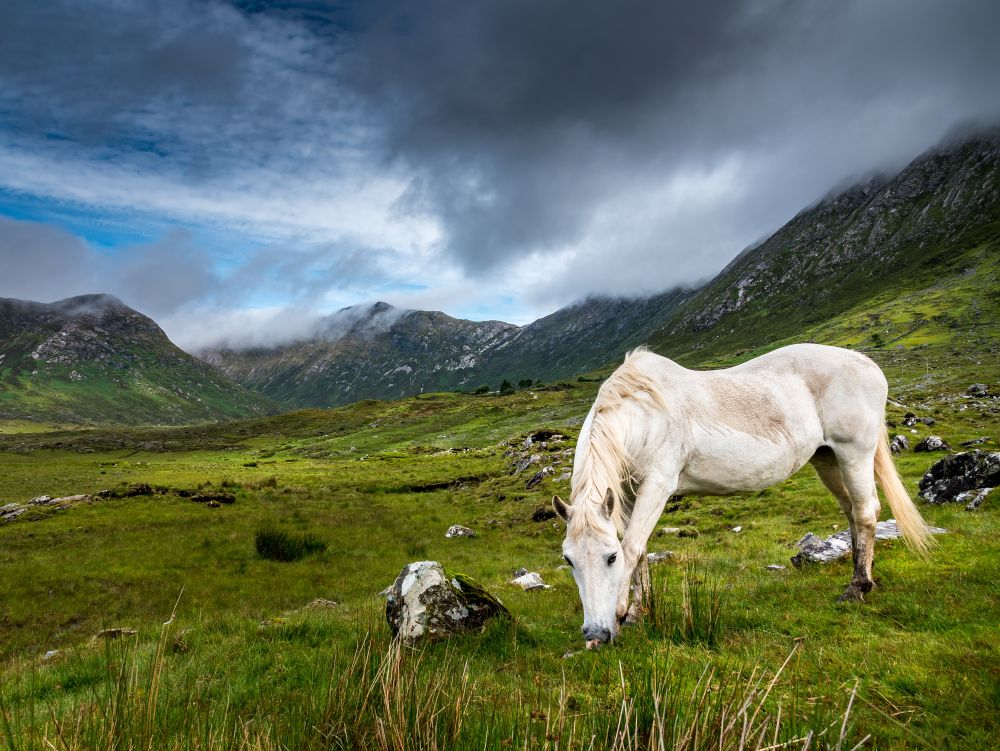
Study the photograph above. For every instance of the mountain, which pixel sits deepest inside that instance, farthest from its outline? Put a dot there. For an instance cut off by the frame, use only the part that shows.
(378, 351)
(882, 234)
(878, 235)
(92, 359)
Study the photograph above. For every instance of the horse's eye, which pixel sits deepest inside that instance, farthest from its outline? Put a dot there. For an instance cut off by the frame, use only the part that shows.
(612, 558)
(565, 558)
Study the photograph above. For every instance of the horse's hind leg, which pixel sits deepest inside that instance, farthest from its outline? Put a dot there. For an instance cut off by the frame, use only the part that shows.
(858, 471)
(824, 461)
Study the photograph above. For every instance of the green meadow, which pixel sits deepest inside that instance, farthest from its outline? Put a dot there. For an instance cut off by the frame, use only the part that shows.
(226, 653)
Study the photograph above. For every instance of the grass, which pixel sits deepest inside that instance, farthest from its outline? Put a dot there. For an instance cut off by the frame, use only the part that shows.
(729, 650)
(276, 544)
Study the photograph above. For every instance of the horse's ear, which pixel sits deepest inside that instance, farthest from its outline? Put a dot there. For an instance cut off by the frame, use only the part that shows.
(561, 508)
(609, 503)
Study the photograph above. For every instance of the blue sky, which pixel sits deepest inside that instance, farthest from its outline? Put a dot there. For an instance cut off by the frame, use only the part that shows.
(235, 170)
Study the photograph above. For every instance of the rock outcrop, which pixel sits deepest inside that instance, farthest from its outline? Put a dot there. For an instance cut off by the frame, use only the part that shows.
(814, 549)
(958, 473)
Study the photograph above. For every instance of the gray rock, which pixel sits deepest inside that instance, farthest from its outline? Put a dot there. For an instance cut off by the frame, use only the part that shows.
(975, 442)
(529, 581)
(426, 601)
(42, 500)
(11, 511)
(457, 530)
(659, 557)
(978, 389)
(814, 549)
(520, 572)
(957, 473)
(538, 477)
(928, 421)
(932, 443)
(899, 444)
(775, 567)
(667, 531)
(973, 498)
(527, 462)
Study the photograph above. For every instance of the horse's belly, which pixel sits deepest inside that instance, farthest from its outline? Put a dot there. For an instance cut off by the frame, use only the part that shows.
(739, 463)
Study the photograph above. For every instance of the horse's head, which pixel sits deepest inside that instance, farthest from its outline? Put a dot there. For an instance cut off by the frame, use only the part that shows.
(593, 551)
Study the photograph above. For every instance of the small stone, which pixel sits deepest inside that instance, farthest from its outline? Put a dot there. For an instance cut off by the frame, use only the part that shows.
(932, 443)
(659, 557)
(543, 513)
(978, 389)
(775, 567)
(321, 604)
(569, 654)
(529, 581)
(520, 572)
(116, 633)
(899, 444)
(928, 421)
(737, 529)
(538, 477)
(52, 653)
(973, 498)
(457, 530)
(527, 462)
(975, 442)
(668, 531)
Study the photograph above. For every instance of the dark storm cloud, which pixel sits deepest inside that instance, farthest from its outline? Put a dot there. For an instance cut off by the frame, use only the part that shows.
(522, 119)
(554, 149)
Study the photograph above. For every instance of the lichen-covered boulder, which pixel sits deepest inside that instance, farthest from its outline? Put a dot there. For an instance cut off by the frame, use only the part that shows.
(899, 444)
(932, 443)
(955, 474)
(426, 601)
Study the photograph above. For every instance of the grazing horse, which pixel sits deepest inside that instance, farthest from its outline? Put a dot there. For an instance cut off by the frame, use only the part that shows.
(657, 429)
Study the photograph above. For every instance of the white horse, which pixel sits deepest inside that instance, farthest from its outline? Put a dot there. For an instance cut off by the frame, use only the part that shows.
(657, 429)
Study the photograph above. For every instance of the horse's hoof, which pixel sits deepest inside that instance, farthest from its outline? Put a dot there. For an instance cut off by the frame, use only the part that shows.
(852, 595)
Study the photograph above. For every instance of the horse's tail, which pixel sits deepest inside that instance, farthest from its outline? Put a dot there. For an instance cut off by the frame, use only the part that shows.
(908, 518)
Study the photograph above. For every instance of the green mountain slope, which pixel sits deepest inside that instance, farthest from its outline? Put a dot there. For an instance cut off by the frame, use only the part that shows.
(92, 359)
(869, 242)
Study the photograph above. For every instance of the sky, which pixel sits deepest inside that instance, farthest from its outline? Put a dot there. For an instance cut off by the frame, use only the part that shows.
(236, 169)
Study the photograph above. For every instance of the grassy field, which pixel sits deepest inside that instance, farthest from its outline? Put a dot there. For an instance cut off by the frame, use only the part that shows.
(244, 664)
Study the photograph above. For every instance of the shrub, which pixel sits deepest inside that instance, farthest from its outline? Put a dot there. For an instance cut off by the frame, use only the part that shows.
(280, 545)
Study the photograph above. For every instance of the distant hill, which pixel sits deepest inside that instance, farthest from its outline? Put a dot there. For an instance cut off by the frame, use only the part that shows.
(379, 351)
(92, 359)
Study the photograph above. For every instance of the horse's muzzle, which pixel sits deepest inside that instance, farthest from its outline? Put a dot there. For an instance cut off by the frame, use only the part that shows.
(596, 636)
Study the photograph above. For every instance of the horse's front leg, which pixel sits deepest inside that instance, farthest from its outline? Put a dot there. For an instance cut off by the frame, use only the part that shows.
(652, 496)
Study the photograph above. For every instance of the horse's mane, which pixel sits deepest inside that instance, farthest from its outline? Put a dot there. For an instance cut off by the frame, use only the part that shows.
(604, 461)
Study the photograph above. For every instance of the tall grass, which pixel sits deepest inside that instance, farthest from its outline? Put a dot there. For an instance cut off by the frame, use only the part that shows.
(386, 697)
(277, 544)
(696, 615)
